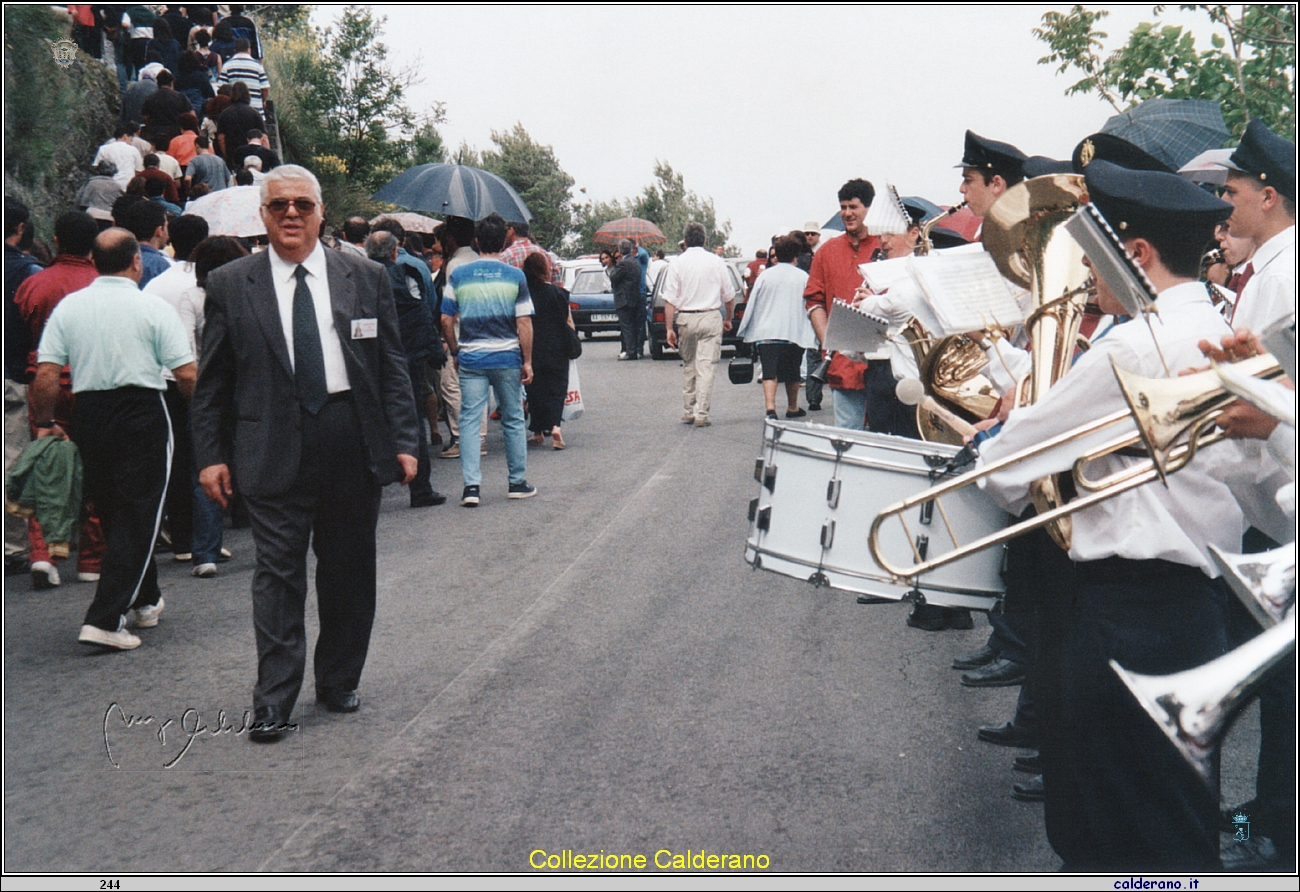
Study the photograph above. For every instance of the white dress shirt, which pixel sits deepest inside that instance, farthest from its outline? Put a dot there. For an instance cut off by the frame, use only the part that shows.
(1173, 523)
(177, 287)
(282, 274)
(697, 280)
(1270, 293)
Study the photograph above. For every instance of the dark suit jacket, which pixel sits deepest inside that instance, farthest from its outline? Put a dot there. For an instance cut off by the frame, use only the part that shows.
(246, 412)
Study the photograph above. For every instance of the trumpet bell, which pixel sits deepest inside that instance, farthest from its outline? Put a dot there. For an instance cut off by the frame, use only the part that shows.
(1264, 582)
(1167, 408)
(1194, 707)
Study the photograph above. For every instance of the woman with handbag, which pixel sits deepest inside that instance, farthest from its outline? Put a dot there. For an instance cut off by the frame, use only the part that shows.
(776, 324)
(555, 342)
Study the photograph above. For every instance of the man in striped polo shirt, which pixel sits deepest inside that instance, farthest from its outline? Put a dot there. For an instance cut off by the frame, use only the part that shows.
(494, 349)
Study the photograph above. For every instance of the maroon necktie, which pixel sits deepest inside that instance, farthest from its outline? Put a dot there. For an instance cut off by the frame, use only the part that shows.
(1238, 284)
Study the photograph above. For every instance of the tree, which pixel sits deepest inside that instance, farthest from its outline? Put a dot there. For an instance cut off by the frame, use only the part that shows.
(343, 112)
(279, 19)
(1249, 67)
(535, 173)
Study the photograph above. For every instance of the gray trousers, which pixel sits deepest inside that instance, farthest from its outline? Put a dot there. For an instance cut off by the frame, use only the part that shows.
(333, 505)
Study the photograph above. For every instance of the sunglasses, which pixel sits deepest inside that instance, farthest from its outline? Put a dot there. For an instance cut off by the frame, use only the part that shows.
(280, 206)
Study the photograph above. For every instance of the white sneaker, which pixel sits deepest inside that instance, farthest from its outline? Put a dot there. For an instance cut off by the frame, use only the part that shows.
(83, 576)
(147, 617)
(45, 575)
(122, 640)
(204, 571)
(182, 556)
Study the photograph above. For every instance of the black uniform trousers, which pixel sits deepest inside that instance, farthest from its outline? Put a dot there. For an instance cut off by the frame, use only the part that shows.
(333, 505)
(1119, 795)
(124, 438)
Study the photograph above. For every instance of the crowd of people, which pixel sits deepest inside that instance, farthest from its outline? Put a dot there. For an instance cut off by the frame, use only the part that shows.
(304, 371)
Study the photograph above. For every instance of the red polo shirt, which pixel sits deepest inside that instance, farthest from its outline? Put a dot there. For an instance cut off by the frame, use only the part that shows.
(834, 274)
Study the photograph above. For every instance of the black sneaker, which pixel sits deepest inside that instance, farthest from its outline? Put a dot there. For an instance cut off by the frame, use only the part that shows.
(469, 498)
(518, 491)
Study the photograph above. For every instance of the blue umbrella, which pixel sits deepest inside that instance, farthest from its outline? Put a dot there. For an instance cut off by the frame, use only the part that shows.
(1173, 130)
(454, 190)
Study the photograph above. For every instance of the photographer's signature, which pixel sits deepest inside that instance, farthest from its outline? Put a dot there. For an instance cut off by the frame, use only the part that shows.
(188, 728)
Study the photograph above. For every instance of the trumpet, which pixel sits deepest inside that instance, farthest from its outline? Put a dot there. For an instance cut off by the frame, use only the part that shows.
(1178, 409)
(1194, 707)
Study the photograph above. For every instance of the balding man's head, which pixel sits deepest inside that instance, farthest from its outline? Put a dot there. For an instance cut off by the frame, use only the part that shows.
(117, 253)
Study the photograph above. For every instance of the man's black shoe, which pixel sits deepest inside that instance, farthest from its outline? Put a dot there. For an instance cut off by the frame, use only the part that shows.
(269, 724)
(1029, 764)
(16, 564)
(338, 701)
(428, 501)
(998, 674)
(1030, 791)
(814, 407)
(982, 657)
(1007, 734)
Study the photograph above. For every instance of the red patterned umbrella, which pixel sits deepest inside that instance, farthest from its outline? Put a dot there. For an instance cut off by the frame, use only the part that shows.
(634, 229)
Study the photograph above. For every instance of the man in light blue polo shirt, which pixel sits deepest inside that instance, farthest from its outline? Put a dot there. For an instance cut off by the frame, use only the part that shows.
(117, 339)
(495, 349)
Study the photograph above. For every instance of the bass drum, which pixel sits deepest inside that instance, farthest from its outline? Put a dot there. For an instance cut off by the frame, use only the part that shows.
(821, 487)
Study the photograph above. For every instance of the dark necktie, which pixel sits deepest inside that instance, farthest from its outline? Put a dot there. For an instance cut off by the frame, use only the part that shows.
(1238, 284)
(308, 358)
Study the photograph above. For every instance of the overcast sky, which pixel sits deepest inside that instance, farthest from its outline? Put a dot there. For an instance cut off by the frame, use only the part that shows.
(767, 110)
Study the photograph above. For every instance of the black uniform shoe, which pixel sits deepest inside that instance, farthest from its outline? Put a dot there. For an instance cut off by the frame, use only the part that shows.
(982, 657)
(998, 674)
(1030, 791)
(1029, 764)
(1008, 734)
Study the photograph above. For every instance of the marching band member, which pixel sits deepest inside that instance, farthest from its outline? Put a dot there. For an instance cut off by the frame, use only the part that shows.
(1143, 589)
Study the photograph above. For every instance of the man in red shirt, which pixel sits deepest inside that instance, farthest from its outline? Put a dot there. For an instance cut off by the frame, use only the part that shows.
(39, 294)
(834, 274)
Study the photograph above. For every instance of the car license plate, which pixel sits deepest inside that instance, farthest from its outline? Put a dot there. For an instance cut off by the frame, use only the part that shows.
(604, 317)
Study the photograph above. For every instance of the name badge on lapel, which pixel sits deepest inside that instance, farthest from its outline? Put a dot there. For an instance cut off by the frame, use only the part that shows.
(365, 328)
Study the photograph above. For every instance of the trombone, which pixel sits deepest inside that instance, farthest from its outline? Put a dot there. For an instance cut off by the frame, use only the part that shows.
(1165, 410)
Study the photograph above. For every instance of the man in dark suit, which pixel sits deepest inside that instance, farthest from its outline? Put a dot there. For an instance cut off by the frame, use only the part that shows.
(304, 406)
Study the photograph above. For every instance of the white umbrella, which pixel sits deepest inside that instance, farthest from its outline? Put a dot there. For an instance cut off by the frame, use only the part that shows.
(1207, 167)
(410, 222)
(232, 211)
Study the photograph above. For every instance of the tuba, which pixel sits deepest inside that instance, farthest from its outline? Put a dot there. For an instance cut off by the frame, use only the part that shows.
(949, 368)
(1024, 232)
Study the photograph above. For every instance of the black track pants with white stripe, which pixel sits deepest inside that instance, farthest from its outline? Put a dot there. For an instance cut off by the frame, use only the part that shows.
(125, 441)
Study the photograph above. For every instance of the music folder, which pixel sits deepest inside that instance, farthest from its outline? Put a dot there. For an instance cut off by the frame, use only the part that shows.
(850, 330)
(1111, 260)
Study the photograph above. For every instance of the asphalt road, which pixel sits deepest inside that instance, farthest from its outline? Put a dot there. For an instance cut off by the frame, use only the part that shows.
(595, 669)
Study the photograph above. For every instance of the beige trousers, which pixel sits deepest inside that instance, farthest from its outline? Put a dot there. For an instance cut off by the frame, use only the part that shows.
(699, 341)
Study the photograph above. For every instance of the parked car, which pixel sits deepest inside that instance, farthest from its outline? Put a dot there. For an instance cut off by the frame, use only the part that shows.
(592, 301)
(571, 268)
(659, 348)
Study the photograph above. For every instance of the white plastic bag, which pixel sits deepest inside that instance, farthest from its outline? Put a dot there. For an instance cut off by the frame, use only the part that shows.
(573, 408)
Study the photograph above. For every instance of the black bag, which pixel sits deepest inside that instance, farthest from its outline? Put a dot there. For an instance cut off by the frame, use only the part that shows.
(574, 343)
(741, 370)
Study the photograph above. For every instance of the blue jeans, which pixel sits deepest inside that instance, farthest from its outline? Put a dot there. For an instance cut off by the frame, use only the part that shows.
(850, 408)
(209, 521)
(507, 383)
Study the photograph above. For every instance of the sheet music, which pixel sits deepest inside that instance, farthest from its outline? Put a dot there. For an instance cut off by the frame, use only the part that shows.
(887, 215)
(884, 274)
(966, 292)
(850, 330)
(1111, 260)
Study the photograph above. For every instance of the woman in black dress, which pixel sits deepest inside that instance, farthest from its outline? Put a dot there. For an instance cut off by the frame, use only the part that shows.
(550, 352)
